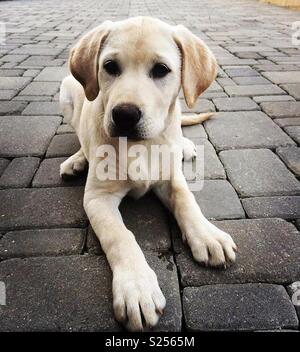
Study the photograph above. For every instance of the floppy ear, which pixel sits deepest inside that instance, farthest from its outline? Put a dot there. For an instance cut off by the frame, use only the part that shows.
(198, 64)
(84, 57)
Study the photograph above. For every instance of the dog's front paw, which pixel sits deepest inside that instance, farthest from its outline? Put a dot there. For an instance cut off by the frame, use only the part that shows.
(213, 247)
(136, 293)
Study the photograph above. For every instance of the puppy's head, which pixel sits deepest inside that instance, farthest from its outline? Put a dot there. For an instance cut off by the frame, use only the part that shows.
(139, 65)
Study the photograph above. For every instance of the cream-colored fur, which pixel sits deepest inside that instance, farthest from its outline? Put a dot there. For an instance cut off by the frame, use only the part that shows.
(87, 102)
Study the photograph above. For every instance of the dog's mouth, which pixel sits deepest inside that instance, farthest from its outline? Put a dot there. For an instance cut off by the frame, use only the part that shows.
(132, 134)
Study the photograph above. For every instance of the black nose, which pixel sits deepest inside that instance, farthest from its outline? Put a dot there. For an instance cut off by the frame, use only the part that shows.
(126, 116)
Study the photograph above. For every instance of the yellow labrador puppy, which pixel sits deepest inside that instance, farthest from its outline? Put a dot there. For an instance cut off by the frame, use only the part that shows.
(126, 77)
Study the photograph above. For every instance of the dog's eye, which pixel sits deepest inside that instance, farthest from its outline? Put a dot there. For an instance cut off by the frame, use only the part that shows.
(159, 70)
(112, 68)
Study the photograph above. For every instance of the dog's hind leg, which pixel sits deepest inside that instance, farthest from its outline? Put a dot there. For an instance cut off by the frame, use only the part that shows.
(74, 165)
(189, 149)
(71, 100)
(66, 100)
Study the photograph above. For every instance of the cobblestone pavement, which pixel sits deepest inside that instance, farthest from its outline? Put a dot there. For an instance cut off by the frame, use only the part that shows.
(55, 273)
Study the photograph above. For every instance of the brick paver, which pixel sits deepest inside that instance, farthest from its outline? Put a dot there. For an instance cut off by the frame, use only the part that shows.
(46, 242)
(258, 172)
(238, 307)
(238, 130)
(19, 173)
(268, 252)
(251, 173)
(77, 290)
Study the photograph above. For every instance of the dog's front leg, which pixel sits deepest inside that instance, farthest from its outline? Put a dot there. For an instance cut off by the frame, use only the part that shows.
(135, 287)
(209, 245)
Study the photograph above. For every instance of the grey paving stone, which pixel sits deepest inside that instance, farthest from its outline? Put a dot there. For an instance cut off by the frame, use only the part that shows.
(283, 77)
(13, 58)
(247, 307)
(234, 61)
(280, 43)
(202, 105)
(235, 104)
(3, 165)
(147, 219)
(47, 242)
(41, 88)
(263, 62)
(5, 50)
(7, 94)
(285, 207)
(268, 251)
(11, 107)
(41, 208)
(255, 48)
(291, 60)
(14, 83)
(218, 200)
(248, 55)
(293, 90)
(63, 145)
(273, 55)
(214, 87)
(213, 169)
(211, 95)
(288, 121)
(226, 82)
(279, 331)
(236, 130)
(29, 98)
(41, 61)
(65, 129)
(251, 172)
(9, 65)
(291, 157)
(42, 108)
(294, 292)
(48, 175)
(281, 109)
(26, 135)
(241, 72)
(82, 284)
(274, 67)
(19, 172)
(293, 132)
(53, 74)
(196, 131)
(10, 73)
(37, 50)
(31, 73)
(253, 90)
(250, 80)
(263, 98)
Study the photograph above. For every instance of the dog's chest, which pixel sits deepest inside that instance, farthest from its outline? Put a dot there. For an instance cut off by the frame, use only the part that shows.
(138, 192)
(140, 175)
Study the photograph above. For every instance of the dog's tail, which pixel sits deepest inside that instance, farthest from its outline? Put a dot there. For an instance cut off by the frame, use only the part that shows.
(194, 119)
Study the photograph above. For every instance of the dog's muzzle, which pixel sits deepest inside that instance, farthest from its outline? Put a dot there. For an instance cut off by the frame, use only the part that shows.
(125, 118)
